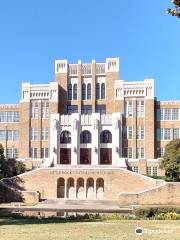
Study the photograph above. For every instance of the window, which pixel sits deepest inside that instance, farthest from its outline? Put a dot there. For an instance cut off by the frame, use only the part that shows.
(34, 110)
(70, 91)
(85, 137)
(175, 114)
(33, 152)
(158, 134)
(140, 132)
(135, 169)
(85, 155)
(89, 91)
(151, 170)
(83, 91)
(33, 133)
(176, 133)
(86, 109)
(9, 116)
(105, 137)
(45, 133)
(127, 132)
(167, 114)
(12, 153)
(97, 91)
(65, 137)
(140, 152)
(12, 135)
(128, 152)
(72, 109)
(103, 91)
(140, 108)
(75, 91)
(101, 109)
(158, 114)
(167, 133)
(44, 152)
(45, 110)
(160, 152)
(128, 109)
(2, 135)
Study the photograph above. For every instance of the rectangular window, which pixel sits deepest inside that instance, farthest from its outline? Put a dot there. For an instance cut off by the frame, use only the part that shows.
(158, 114)
(9, 116)
(12, 135)
(160, 152)
(140, 152)
(176, 133)
(86, 109)
(72, 109)
(175, 114)
(9, 135)
(2, 135)
(140, 108)
(101, 109)
(167, 133)
(154, 171)
(45, 134)
(33, 152)
(9, 153)
(148, 171)
(44, 152)
(167, 114)
(129, 132)
(128, 109)
(140, 132)
(128, 152)
(135, 169)
(158, 134)
(34, 110)
(15, 153)
(45, 110)
(33, 134)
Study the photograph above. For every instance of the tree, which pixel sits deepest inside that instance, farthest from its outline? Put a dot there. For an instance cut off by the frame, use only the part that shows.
(2, 161)
(176, 10)
(171, 160)
(19, 167)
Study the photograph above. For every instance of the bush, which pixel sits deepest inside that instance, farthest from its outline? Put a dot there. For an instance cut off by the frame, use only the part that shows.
(168, 216)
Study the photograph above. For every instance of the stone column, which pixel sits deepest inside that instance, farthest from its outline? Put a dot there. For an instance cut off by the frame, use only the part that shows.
(85, 188)
(75, 188)
(65, 189)
(95, 189)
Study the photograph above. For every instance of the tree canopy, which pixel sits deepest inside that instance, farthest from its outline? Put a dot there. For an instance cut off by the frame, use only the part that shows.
(171, 160)
(176, 10)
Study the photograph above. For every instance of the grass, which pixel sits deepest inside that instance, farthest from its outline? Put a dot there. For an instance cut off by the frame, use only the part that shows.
(46, 229)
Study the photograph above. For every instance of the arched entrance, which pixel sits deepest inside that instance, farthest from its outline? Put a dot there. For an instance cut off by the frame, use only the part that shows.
(90, 188)
(61, 188)
(100, 188)
(70, 189)
(80, 189)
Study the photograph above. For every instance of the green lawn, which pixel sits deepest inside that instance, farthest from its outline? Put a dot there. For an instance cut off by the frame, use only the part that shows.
(30, 229)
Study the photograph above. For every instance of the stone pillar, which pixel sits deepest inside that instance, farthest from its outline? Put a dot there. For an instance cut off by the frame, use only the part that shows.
(75, 188)
(74, 136)
(95, 139)
(95, 189)
(85, 188)
(65, 188)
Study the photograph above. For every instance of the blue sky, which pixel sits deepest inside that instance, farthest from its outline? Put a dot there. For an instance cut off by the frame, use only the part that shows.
(33, 33)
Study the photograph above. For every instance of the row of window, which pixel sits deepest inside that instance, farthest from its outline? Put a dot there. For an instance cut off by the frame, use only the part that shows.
(86, 91)
(168, 114)
(9, 135)
(9, 116)
(85, 137)
(44, 134)
(86, 109)
(128, 152)
(150, 170)
(33, 153)
(168, 133)
(128, 132)
(139, 108)
(34, 110)
(12, 153)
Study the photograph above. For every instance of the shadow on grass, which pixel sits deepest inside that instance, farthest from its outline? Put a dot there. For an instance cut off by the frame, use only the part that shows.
(20, 220)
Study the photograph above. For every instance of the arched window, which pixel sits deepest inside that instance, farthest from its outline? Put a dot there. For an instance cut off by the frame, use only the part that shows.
(85, 137)
(75, 92)
(89, 91)
(70, 91)
(106, 137)
(83, 91)
(65, 137)
(103, 91)
(97, 91)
